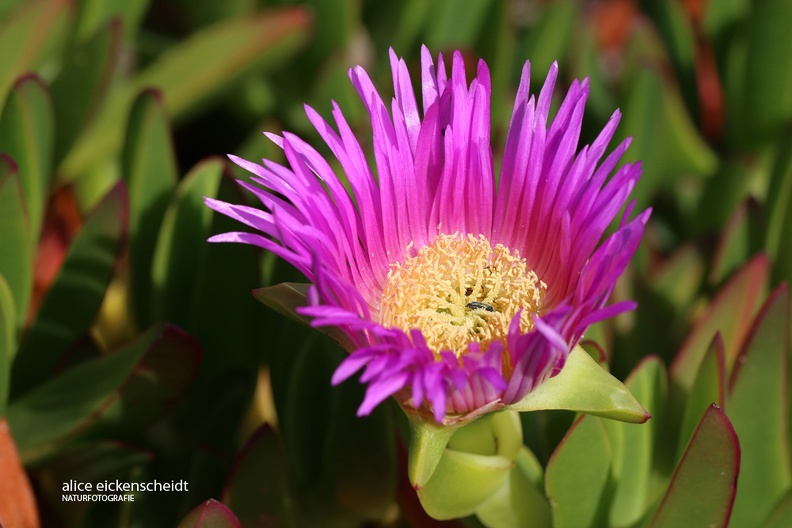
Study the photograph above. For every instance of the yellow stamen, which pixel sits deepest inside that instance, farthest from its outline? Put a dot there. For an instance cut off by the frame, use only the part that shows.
(461, 289)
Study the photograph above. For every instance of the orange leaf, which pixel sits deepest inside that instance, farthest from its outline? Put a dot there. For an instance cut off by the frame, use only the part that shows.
(17, 505)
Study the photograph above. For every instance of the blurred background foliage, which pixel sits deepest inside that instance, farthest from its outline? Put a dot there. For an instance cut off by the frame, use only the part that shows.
(133, 350)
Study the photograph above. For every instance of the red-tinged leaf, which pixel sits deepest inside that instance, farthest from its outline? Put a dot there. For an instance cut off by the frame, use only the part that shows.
(79, 89)
(210, 514)
(194, 71)
(85, 275)
(759, 409)
(709, 388)
(32, 30)
(27, 134)
(577, 475)
(730, 313)
(17, 503)
(123, 391)
(16, 258)
(286, 297)
(257, 487)
(702, 489)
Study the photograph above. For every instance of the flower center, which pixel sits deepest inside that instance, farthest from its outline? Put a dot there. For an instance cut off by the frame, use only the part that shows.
(461, 289)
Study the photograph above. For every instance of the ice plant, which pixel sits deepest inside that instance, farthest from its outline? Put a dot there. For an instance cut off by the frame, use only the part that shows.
(459, 292)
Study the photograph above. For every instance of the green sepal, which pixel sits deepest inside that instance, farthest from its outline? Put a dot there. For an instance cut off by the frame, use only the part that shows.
(428, 441)
(584, 386)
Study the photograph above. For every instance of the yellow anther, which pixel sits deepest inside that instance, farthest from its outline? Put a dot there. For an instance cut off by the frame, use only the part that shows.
(461, 289)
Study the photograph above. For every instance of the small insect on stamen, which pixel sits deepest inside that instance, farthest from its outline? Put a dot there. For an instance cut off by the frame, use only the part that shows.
(475, 305)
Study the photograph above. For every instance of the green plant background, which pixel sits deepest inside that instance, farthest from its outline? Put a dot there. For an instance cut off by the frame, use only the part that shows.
(131, 349)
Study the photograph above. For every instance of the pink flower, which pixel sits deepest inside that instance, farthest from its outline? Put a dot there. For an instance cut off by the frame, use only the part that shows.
(459, 293)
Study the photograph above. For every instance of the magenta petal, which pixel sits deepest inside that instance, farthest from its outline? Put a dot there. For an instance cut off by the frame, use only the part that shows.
(346, 223)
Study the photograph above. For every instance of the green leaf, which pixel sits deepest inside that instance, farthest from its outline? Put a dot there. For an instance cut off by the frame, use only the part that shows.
(782, 514)
(549, 38)
(455, 23)
(74, 299)
(251, 496)
(32, 30)
(343, 465)
(578, 475)
(121, 391)
(759, 410)
(26, 134)
(584, 386)
(80, 88)
(730, 314)
(709, 388)
(286, 297)
(210, 514)
(93, 14)
(634, 446)
(222, 299)
(7, 340)
(150, 172)
(779, 211)
(709, 466)
(738, 240)
(181, 246)
(16, 246)
(768, 73)
(193, 72)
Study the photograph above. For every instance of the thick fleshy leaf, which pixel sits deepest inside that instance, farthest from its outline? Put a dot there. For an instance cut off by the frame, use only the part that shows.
(779, 204)
(708, 388)
(709, 466)
(758, 407)
(8, 331)
(342, 465)
(634, 445)
(84, 275)
(520, 502)
(181, 245)
(782, 514)
(194, 71)
(768, 70)
(79, 89)
(286, 297)
(453, 26)
(739, 236)
(26, 134)
(122, 391)
(17, 503)
(210, 514)
(97, 13)
(584, 386)
(221, 299)
(578, 474)
(550, 37)
(257, 486)
(730, 314)
(32, 30)
(149, 168)
(16, 251)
